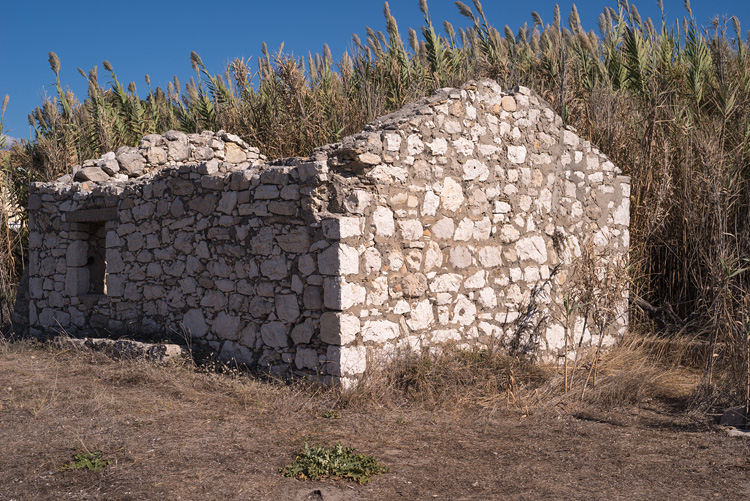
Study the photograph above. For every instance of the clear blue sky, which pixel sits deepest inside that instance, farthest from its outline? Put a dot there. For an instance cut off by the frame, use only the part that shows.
(156, 37)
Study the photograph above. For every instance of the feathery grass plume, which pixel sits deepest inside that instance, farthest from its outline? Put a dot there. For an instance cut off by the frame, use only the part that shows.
(54, 63)
(634, 14)
(537, 19)
(465, 11)
(413, 41)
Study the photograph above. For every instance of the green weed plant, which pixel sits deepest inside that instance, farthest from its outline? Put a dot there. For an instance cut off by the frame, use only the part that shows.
(337, 462)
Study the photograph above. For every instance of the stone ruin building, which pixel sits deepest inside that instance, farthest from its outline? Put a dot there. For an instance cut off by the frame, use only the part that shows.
(459, 219)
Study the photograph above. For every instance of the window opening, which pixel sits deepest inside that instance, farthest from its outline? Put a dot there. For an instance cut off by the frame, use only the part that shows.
(96, 261)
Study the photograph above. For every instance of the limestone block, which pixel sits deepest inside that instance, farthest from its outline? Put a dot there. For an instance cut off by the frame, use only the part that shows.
(443, 229)
(108, 163)
(153, 270)
(178, 151)
(259, 307)
(358, 201)
(621, 215)
(453, 127)
(411, 229)
(430, 204)
(465, 230)
(114, 285)
(372, 260)
(474, 169)
(378, 293)
(343, 227)
(77, 281)
(306, 358)
(570, 138)
(77, 253)
(491, 256)
(382, 218)
(421, 315)
(439, 146)
(346, 360)
(452, 195)
(131, 162)
(338, 328)
(463, 146)
(476, 281)
(508, 103)
(274, 334)
(156, 155)
(195, 323)
(532, 248)
(488, 298)
(395, 261)
(414, 145)
(234, 154)
(296, 241)
(303, 333)
(266, 192)
(449, 282)
(482, 229)
(338, 294)
(531, 274)
(379, 331)
(464, 311)
(555, 337)
(401, 307)
(433, 257)
(226, 326)
(153, 292)
(283, 208)
(392, 141)
(287, 307)
(446, 335)
(517, 154)
(214, 299)
(228, 202)
(460, 256)
(274, 268)
(306, 264)
(93, 174)
(339, 259)
(509, 234)
(313, 298)
(232, 351)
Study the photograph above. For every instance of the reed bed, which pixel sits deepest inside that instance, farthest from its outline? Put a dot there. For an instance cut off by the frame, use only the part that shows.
(668, 102)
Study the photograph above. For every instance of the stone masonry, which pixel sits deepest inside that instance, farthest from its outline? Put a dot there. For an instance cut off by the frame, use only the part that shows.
(458, 219)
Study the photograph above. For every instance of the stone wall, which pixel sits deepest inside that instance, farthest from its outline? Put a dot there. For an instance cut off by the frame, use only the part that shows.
(463, 218)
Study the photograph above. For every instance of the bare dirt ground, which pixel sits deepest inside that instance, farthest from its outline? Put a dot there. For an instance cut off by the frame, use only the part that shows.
(173, 433)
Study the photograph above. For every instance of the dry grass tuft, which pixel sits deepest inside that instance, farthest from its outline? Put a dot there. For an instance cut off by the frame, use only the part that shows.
(625, 376)
(451, 379)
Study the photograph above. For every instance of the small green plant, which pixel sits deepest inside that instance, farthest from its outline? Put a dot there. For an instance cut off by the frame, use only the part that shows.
(87, 461)
(337, 462)
(332, 414)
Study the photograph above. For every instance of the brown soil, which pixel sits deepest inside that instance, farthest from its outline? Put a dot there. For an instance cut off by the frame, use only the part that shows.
(172, 433)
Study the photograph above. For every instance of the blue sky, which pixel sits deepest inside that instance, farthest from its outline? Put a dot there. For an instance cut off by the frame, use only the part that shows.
(140, 37)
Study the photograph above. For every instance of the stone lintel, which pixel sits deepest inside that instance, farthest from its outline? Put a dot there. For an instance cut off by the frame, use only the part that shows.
(91, 215)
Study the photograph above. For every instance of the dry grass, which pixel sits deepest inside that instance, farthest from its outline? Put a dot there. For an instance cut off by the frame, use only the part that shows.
(176, 432)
